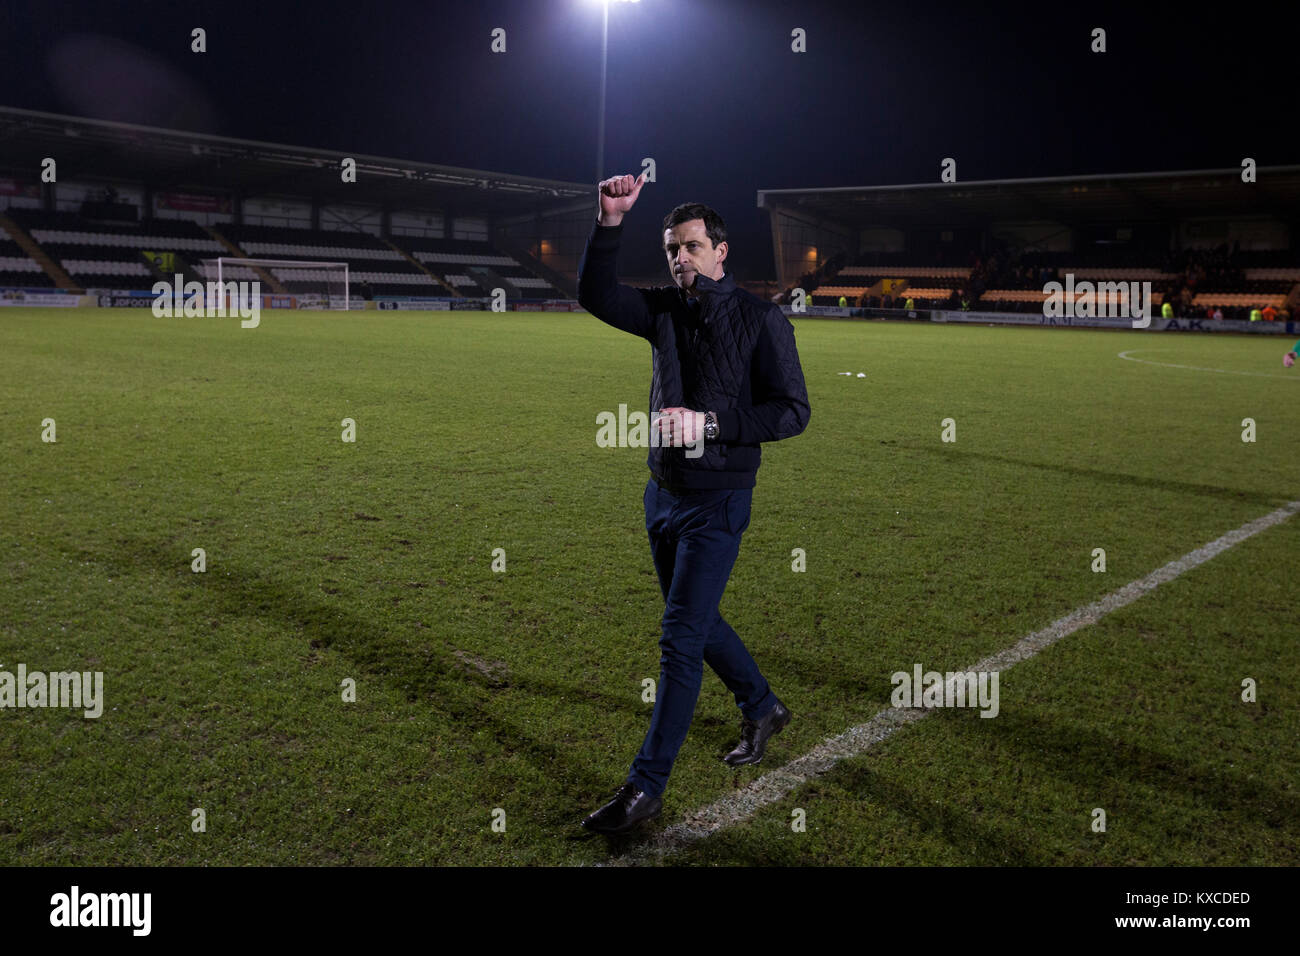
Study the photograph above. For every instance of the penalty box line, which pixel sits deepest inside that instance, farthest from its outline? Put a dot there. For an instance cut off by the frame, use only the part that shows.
(778, 784)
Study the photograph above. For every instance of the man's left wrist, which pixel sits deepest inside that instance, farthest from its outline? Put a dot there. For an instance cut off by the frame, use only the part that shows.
(711, 427)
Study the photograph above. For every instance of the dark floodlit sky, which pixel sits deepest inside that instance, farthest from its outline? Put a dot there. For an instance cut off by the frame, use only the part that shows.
(709, 88)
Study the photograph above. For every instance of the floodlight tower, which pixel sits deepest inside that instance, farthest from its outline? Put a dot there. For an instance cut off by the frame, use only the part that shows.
(604, 57)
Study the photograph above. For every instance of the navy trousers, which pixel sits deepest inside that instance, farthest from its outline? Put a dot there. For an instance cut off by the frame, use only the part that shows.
(694, 539)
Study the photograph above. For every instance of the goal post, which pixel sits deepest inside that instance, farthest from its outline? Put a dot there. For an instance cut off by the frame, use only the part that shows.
(313, 283)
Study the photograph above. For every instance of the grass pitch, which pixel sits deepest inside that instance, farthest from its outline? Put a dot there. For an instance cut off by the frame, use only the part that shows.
(521, 691)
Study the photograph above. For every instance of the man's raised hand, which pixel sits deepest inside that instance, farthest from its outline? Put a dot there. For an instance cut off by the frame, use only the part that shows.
(618, 195)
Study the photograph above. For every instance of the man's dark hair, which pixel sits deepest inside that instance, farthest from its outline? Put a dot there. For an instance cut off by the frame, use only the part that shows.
(714, 227)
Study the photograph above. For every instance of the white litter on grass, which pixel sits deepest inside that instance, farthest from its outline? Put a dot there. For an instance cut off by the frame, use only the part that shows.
(776, 785)
(850, 374)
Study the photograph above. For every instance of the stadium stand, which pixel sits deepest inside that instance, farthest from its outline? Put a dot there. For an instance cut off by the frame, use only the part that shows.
(19, 270)
(1194, 281)
(473, 267)
(372, 263)
(104, 256)
(864, 285)
(113, 256)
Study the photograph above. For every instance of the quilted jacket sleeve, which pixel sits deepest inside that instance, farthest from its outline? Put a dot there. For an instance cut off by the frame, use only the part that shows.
(780, 408)
(599, 291)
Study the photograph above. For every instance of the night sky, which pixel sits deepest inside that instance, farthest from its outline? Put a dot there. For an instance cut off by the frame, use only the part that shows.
(709, 88)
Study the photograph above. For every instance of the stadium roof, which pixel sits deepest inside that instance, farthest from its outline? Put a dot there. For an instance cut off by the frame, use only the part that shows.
(1133, 197)
(97, 150)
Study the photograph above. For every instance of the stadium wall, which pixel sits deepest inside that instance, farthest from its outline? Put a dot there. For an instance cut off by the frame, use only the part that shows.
(1250, 234)
(1123, 322)
(367, 219)
(556, 240)
(19, 192)
(141, 299)
(881, 240)
(800, 244)
(207, 209)
(69, 196)
(425, 225)
(1043, 236)
(277, 212)
(1035, 319)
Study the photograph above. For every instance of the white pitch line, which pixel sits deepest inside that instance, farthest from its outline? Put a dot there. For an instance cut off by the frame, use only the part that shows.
(777, 784)
(1197, 368)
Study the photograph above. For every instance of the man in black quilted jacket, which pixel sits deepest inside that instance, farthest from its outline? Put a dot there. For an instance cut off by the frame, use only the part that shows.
(725, 378)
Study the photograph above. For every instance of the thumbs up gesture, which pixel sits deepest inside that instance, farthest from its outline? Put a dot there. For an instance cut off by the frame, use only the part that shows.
(617, 195)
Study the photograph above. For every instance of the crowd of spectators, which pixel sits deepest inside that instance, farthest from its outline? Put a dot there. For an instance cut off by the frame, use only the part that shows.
(1187, 272)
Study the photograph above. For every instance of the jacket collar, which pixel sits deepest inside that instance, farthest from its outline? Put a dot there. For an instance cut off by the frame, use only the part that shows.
(724, 286)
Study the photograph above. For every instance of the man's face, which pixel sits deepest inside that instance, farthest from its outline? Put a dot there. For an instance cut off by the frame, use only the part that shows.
(691, 253)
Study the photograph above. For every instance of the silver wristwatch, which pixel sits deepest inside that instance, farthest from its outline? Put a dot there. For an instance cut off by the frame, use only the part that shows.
(710, 426)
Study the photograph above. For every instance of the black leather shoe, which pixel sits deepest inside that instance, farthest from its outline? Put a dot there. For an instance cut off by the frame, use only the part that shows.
(754, 735)
(629, 807)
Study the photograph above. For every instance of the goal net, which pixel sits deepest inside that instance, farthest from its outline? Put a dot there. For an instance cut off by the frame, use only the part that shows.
(314, 285)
